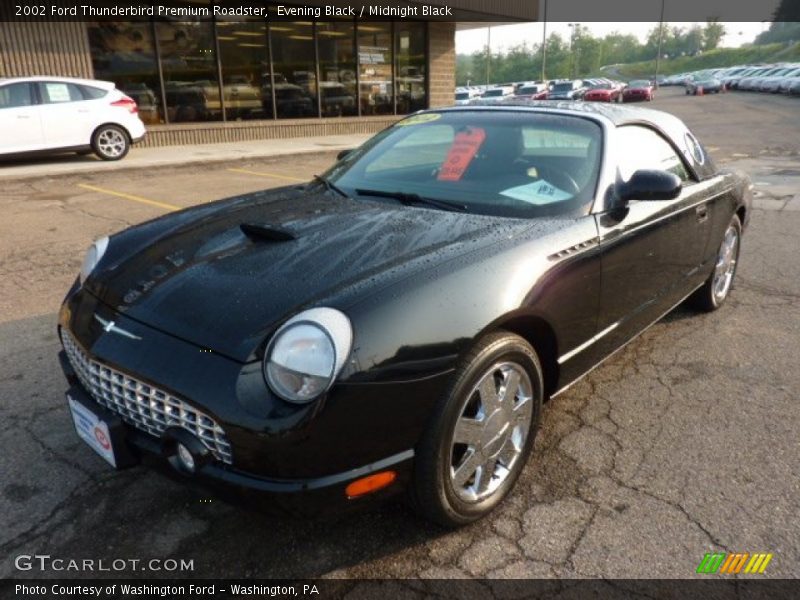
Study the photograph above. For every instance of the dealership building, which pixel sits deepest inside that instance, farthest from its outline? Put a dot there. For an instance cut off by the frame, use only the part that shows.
(223, 79)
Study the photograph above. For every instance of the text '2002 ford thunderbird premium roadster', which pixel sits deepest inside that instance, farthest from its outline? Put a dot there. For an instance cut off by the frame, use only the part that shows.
(396, 324)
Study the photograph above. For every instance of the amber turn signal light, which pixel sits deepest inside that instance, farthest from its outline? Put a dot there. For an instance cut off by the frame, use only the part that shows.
(369, 484)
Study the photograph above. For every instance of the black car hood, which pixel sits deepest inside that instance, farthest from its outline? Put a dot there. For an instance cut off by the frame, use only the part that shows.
(208, 280)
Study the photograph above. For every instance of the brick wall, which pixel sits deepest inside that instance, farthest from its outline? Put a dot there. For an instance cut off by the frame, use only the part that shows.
(442, 63)
(185, 134)
(44, 48)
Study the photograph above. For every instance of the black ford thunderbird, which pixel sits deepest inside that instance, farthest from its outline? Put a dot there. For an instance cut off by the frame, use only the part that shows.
(395, 324)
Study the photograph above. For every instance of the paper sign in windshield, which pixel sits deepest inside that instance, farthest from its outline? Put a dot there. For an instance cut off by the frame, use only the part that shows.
(540, 193)
(465, 146)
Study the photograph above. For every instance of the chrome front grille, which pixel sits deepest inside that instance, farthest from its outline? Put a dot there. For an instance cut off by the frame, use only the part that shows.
(144, 406)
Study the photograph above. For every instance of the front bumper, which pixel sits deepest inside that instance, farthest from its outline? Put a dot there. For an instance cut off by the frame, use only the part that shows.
(316, 495)
(285, 450)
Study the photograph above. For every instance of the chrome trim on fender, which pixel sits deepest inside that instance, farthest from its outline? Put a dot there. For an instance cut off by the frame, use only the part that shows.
(605, 358)
(564, 358)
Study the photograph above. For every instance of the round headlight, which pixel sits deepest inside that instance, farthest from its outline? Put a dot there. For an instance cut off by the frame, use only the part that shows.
(307, 353)
(93, 256)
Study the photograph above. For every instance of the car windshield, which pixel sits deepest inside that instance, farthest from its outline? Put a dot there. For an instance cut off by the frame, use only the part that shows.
(601, 86)
(492, 93)
(462, 96)
(639, 83)
(563, 87)
(500, 163)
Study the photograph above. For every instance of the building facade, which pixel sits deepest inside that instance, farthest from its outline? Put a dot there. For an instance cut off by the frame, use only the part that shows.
(219, 80)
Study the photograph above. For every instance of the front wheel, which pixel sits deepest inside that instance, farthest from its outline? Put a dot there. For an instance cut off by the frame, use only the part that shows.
(110, 142)
(478, 441)
(717, 287)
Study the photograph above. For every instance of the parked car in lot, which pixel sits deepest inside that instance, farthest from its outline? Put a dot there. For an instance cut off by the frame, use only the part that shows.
(58, 114)
(567, 89)
(533, 91)
(462, 97)
(396, 324)
(786, 83)
(604, 92)
(496, 94)
(708, 85)
(638, 90)
(773, 84)
(751, 81)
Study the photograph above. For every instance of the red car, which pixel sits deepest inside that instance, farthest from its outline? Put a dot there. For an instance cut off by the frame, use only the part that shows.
(639, 89)
(531, 92)
(604, 92)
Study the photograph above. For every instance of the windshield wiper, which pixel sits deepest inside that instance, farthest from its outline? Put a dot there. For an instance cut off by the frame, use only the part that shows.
(409, 199)
(324, 181)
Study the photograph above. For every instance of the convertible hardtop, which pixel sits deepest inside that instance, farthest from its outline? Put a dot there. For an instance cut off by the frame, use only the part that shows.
(616, 114)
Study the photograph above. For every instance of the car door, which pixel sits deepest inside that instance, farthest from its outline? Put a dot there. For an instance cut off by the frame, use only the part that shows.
(20, 120)
(67, 117)
(651, 250)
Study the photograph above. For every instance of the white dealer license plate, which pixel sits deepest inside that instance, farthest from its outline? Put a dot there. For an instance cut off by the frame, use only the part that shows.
(92, 430)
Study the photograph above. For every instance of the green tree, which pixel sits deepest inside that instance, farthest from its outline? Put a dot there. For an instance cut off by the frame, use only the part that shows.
(713, 33)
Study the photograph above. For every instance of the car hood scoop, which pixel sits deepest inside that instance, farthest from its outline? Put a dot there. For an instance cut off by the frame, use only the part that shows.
(269, 233)
(207, 276)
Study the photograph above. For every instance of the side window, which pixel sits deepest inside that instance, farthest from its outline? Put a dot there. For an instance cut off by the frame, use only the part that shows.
(645, 149)
(56, 92)
(91, 93)
(16, 95)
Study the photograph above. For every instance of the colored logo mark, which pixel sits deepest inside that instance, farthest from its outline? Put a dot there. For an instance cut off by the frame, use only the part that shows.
(740, 562)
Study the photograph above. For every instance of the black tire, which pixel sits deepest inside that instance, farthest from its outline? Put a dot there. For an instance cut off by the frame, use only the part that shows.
(433, 494)
(706, 298)
(111, 142)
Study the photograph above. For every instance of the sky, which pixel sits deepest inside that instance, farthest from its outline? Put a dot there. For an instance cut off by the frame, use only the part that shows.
(506, 36)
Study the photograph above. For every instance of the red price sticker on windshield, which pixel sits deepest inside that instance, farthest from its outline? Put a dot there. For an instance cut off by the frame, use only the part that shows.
(465, 146)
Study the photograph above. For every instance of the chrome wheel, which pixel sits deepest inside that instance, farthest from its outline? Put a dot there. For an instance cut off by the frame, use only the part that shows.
(111, 143)
(490, 433)
(726, 264)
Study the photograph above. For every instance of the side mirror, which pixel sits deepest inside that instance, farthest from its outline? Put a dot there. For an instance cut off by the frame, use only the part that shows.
(650, 184)
(344, 153)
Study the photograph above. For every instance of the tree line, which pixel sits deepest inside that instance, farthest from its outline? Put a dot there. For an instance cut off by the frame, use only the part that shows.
(582, 53)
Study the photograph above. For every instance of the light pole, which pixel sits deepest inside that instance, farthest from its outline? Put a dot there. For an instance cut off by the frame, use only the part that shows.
(488, 52)
(572, 27)
(544, 45)
(660, 39)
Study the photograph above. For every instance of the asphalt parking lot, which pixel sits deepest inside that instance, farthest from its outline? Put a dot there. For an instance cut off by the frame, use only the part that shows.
(684, 443)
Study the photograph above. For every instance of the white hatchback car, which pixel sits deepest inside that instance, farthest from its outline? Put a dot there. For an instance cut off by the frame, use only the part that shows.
(59, 114)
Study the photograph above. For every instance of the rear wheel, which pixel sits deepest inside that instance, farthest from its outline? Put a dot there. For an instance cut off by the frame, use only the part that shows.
(478, 442)
(110, 142)
(718, 285)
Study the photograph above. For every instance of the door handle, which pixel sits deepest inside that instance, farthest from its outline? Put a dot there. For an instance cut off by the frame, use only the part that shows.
(701, 212)
(23, 116)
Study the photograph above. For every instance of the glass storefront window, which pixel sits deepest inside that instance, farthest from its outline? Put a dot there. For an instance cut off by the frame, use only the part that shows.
(410, 71)
(337, 69)
(328, 69)
(294, 63)
(375, 68)
(191, 84)
(244, 55)
(123, 52)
